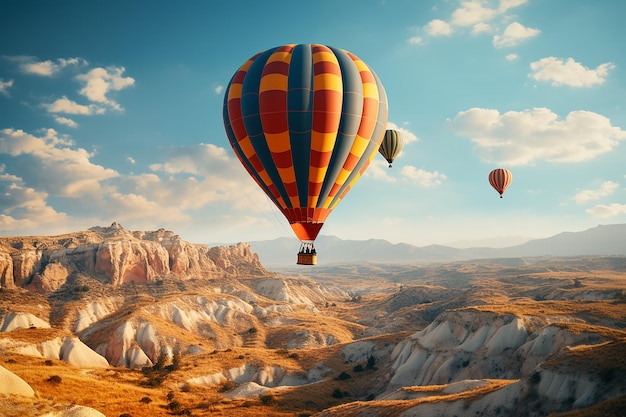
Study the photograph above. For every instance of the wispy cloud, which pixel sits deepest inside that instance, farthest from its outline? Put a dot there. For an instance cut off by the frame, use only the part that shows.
(4, 86)
(422, 177)
(472, 13)
(56, 166)
(568, 72)
(512, 57)
(438, 27)
(416, 40)
(50, 165)
(218, 89)
(379, 170)
(525, 137)
(65, 121)
(606, 188)
(514, 34)
(480, 17)
(407, 135)
(610, 210)
(67, 106)
(99, 82)
(48, 68)
(23, 207)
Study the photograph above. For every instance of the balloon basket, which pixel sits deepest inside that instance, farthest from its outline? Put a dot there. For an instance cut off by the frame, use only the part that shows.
(307, 259)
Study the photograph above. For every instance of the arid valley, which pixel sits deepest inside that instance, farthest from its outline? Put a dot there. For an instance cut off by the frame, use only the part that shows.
(122, 323)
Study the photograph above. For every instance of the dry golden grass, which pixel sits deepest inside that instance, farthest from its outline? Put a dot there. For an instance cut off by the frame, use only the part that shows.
(117, 391)
(615, 407)
(610, 355)
(587, 310)
(393, 408)
(23, 301)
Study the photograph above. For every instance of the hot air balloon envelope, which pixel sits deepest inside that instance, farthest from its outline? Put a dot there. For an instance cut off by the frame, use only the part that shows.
(305, 121)
(500, 179)
(391, 145)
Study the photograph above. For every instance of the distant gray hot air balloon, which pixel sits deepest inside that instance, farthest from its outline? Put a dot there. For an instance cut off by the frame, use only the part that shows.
(391, 145)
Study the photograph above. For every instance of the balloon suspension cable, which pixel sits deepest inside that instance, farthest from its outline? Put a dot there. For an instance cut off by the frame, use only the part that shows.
(279, 220)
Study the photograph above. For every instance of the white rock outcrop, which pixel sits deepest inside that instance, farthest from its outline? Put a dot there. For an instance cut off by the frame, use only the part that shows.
(466, 344)
(11, 384)
(76, 353)
(16, 321)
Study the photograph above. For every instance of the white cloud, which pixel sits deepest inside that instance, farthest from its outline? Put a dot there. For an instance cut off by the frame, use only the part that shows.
(569, 72)
(506, 5)
(422, 177)
(379, 170)
(514, 34)
(438, 27)
(606, 188)
(55, 165)
(610, 210)
(472, 12)
(67, 106)
(99, 82)
(65, 121)
(47, 68)
(218, 90)
(187, 185)
(416, 40)
(481, 27)
(137, 208)
(130, 160)
(512, 57)
(407, 135)
(203, 175)
(522, 138)
(4, 86)
(477, 15)
(24, 207)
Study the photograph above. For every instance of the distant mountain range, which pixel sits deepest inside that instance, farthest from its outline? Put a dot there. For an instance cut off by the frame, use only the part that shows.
(601, 240)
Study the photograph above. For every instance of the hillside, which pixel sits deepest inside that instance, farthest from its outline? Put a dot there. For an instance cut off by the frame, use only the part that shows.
(510, 336)
(602, 240)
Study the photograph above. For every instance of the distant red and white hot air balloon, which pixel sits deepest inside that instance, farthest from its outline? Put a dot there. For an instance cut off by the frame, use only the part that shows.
(500, 179)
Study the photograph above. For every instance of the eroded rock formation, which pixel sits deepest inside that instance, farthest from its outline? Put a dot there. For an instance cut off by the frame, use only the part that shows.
(119, 256)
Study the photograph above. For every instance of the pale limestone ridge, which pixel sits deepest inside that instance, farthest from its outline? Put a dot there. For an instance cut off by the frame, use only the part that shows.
(17, 321)
(11, 384)
(44, 263)
(468, 345)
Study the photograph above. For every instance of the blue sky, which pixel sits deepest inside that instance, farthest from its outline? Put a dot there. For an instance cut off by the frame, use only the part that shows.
(112, 111)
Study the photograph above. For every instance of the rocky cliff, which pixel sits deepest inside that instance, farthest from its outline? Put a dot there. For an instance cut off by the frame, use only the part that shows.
(117, 256)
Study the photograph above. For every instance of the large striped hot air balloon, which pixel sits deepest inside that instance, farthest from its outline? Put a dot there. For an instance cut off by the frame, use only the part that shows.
(391, 145)
(500, 179)
(305, 121)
